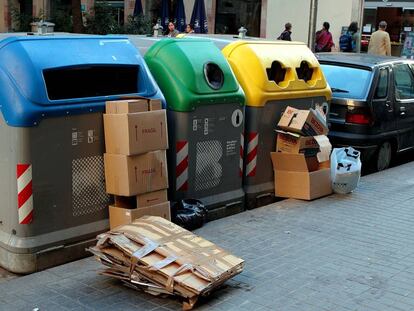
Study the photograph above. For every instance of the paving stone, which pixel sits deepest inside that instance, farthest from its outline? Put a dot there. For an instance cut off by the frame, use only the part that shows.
(344, 253)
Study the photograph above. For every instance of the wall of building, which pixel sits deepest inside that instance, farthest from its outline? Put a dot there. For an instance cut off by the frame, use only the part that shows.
(39, 7)
(275, 14)
(280, 12)
(129, 8)
(188, 5)
(337, 12)
(3, 18)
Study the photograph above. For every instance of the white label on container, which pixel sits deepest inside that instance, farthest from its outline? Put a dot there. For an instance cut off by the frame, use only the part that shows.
(90, 136)
(74, 138)
(77, 137)
(237, 118)
(206, 126)
(195, 125)
(231, 149)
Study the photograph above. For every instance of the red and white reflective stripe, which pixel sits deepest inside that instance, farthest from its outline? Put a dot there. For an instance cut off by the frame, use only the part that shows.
(251, 159)
(241, 154)
(24, 193)
(181, 169)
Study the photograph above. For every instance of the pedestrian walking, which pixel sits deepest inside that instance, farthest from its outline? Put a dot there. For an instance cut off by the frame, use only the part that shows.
(323, 39)
(286, 34)
(172, 32)
(348, 40)
(380, 43)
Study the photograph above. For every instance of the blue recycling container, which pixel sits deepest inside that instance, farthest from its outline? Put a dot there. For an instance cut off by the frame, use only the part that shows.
(52, 95)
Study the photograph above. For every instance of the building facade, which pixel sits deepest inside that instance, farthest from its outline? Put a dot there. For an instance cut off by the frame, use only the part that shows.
(399, 16)
(262, 18)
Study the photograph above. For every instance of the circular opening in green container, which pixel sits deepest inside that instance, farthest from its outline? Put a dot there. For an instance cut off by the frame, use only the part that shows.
(214, 76)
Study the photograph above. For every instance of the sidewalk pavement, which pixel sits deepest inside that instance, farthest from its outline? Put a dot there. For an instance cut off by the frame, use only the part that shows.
(339, 253)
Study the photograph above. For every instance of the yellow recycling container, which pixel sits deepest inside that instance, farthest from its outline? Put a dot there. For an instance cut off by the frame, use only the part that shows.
(273, 75)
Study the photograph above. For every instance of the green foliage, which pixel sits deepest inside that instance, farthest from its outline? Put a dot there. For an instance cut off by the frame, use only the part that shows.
(62, 20)
(21, 21)
(138, 25)
(102, 20)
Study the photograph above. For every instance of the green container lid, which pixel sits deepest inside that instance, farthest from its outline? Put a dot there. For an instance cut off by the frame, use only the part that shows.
(191, 73)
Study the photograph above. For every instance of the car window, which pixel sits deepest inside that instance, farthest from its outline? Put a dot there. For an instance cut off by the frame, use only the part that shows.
(347, 82)
(382, 86)
(404, 82)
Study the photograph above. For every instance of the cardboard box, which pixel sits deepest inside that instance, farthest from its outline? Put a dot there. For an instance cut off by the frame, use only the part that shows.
(151, 198)
(294, 143)
(155, 250)
(305, 122)
(154, 104)
(132, 175)
(126, 106)
(299, 177)
(125, 202)
(136, 133)
(325, 148)
(132, 105)
(141, 200)
(122, 216)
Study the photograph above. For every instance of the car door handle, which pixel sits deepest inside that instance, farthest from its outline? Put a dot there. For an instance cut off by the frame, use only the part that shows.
(389, 106)
(402, 111)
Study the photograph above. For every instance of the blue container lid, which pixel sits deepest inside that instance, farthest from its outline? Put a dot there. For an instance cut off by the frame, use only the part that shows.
(47, 76)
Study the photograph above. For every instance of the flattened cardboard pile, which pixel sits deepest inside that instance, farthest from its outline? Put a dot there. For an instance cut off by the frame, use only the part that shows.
(159, 257)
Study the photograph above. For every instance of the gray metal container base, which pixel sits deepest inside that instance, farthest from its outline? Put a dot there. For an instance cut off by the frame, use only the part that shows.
(228, 209)
(259, 195)
(224, 204)
(33, 262)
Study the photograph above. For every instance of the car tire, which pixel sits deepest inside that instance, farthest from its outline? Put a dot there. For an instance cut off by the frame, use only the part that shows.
(384, 156)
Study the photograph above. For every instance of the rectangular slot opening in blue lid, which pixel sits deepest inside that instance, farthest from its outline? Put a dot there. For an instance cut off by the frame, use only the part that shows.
(91, 81)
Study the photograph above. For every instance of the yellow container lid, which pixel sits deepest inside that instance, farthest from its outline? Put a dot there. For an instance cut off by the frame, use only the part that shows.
(272, 70)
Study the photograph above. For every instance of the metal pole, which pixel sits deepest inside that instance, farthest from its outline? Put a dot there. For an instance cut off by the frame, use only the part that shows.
(360, 21)
(312, 23)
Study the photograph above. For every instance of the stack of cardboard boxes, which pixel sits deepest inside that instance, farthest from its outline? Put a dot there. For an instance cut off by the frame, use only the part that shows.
(161, 258)
(136, 140)
(301, 161)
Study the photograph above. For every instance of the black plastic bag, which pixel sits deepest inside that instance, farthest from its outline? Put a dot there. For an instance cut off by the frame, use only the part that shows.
(189, 214)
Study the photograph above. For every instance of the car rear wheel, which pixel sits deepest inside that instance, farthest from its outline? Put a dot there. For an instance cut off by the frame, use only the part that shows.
(384, 155)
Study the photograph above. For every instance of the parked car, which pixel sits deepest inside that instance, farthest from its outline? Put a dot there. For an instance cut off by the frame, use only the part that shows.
(372, 107)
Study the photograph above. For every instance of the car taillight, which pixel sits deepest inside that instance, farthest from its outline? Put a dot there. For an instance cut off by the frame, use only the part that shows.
(358, 116)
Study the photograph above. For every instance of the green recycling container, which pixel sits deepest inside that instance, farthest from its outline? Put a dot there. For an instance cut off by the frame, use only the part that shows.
(205, 107)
